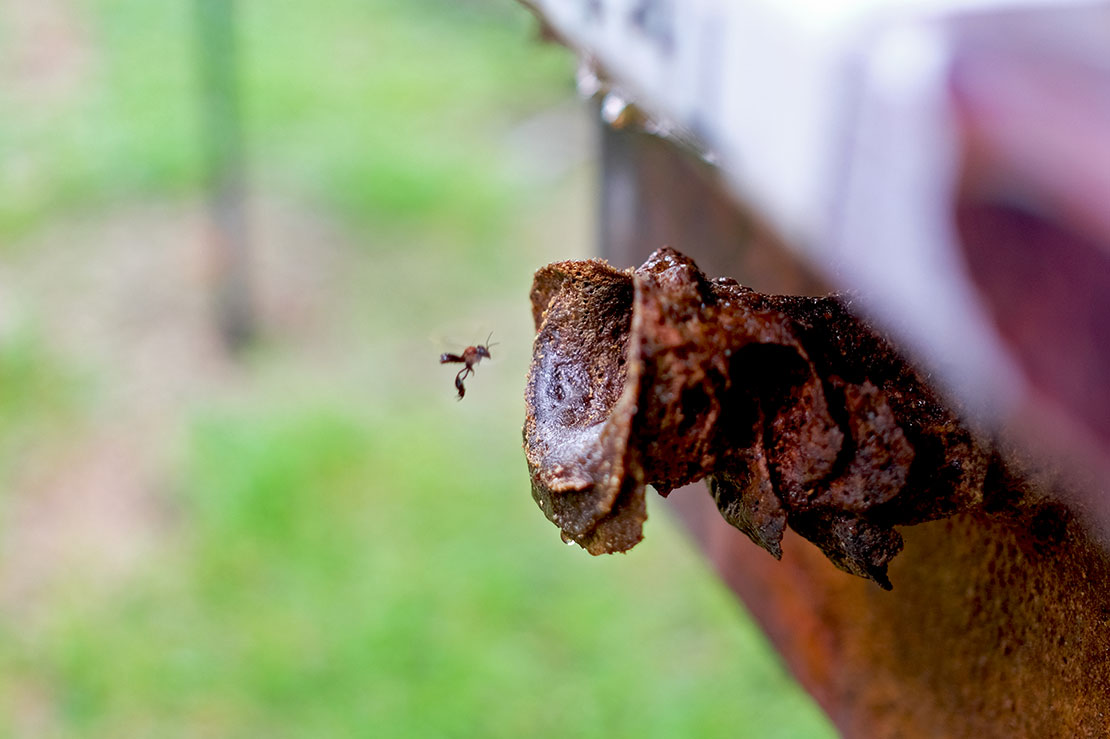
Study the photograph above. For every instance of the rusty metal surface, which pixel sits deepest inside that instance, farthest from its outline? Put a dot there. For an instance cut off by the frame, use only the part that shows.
(996, 627)
(989, 631)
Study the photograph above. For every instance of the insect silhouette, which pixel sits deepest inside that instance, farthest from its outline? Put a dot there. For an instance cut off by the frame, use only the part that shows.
(470, 357)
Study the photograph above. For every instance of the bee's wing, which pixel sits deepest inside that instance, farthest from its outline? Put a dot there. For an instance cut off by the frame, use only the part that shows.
(454, 344)
(447, 342)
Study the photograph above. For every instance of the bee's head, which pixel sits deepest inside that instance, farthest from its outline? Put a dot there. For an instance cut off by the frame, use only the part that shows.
(483, 350)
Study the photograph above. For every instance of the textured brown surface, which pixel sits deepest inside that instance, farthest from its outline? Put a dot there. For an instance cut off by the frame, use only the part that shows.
(797, 413)
(991, 631)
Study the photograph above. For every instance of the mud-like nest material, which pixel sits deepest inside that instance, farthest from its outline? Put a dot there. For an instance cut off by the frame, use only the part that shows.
(794, 411)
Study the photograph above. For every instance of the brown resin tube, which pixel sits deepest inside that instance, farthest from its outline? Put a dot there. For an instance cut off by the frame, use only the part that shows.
(794, 411)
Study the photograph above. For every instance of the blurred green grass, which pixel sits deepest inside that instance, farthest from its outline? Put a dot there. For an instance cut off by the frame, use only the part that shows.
(352, 553)
(303, 601)
(384, 110)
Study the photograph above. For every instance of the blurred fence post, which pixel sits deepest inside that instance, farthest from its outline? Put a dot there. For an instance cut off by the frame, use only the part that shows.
(217, 61)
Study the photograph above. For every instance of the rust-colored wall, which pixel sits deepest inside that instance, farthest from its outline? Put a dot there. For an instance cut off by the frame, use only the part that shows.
(987, 631)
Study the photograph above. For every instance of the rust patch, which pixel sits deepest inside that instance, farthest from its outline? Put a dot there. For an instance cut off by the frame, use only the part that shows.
(795, 412)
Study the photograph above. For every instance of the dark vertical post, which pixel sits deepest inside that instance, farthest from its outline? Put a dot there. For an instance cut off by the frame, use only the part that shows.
(619, 227)
(654, 194)
(222, 133)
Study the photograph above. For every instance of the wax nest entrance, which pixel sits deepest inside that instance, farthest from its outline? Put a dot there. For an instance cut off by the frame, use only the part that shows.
(794, 411)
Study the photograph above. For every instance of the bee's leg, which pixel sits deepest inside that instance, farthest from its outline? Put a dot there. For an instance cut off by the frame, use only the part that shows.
(445, 358)
(463, 374)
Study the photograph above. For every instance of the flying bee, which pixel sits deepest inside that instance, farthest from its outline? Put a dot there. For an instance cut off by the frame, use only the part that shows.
(470, 357)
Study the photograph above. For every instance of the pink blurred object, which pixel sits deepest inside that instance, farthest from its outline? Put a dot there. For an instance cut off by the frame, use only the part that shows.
(1033, 218)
